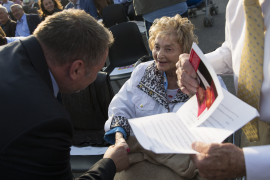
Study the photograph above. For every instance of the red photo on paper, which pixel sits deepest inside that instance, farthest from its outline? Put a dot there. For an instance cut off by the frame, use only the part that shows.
(207, 92)
(194, 59)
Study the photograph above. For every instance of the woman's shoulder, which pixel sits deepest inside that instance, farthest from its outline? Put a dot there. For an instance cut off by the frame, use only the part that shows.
(140, 69)
(139, 72)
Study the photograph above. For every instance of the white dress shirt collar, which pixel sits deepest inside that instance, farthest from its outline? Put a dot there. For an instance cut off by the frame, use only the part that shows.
(55, 86)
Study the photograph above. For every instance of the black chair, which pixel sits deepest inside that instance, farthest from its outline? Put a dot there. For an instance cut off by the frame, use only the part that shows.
(127, 49)
(26, 9)
(33, 10)
(88, 110)
(64, 3)
(113, 14)
(36, 5)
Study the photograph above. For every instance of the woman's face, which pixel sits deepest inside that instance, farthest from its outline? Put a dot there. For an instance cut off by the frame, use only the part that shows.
(48, 5)
(166, 52)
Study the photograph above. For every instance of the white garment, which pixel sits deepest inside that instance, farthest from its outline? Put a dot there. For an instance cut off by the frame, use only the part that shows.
(226, 60)
(12, 39)
(8, 5)
(131, 102)
(171, 93)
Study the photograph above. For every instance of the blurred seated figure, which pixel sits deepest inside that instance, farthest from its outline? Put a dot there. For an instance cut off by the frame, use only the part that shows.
(100, 4)
(87, 5)
(7, 4)
(26, 23)
(152, 89)
(48, 7)
(7, 24)
(3, 40)
(129, 9)
(28, 3)
(17, 2)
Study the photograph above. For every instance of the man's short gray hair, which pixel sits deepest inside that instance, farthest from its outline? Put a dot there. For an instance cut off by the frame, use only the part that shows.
(4, 8)
(72, 35)
(16, 5)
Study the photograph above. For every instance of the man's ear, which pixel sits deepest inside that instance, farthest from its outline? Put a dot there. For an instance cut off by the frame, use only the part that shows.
(77, 70)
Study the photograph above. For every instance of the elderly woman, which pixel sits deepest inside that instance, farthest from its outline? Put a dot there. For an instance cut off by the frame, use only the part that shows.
(152, 88)
(48, 7)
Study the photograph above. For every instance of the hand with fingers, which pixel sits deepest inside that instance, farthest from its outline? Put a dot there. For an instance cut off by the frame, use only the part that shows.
(218, 161)
(186, 75)
(118, 153)
(119, 138)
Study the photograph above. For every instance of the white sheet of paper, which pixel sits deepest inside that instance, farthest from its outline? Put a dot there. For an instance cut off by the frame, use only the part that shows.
(89, 150)
(175, 132)
(123, 70)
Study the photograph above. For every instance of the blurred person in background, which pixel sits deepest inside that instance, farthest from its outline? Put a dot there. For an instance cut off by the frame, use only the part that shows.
(8, 26)
(87, 5)
(153, 9)
(17, 2)
(26, 23)
(7, 4)
(48, 7)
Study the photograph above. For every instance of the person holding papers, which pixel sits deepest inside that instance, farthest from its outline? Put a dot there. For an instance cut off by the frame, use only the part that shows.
(245, 54)
(152, 89)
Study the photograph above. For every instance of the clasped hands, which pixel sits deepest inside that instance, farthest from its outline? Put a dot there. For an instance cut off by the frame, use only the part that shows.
(118, 153)
(214, 161)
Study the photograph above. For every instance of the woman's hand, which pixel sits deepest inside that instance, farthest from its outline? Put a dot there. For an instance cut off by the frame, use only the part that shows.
(119, 138)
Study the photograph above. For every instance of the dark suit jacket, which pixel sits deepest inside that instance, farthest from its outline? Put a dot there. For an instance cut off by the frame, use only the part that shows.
(35, 129)
(32, 20)
(10, 28)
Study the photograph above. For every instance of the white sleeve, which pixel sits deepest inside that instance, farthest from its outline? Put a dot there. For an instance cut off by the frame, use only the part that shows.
(221, 58)
(122, 104)
(257, 160)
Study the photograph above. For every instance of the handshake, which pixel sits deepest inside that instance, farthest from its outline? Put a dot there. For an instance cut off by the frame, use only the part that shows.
(118, 153)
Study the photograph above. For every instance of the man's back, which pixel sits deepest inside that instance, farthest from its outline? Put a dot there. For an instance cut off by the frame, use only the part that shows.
(35, 127)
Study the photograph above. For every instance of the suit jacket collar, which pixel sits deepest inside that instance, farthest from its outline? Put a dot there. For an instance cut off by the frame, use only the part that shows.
(37, 58)
(5, 25)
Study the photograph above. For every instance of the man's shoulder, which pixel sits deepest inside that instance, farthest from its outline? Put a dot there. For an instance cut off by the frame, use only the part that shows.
(13, 22)
(31, 15)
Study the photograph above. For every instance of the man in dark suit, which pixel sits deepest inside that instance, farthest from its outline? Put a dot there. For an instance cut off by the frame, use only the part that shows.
(87, 5)
(7, 24)
(26, 23)
(64, 55)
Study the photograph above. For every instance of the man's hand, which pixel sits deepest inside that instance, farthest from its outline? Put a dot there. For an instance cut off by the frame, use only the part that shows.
(219, 161)
(118, 154)
(186, 75)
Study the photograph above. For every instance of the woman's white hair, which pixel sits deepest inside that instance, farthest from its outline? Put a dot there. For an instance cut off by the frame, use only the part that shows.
(4, 8)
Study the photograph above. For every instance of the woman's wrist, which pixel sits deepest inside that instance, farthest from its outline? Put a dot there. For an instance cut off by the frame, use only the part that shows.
(118, 135)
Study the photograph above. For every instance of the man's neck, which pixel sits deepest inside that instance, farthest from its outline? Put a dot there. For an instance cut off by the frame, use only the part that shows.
(21, 18)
